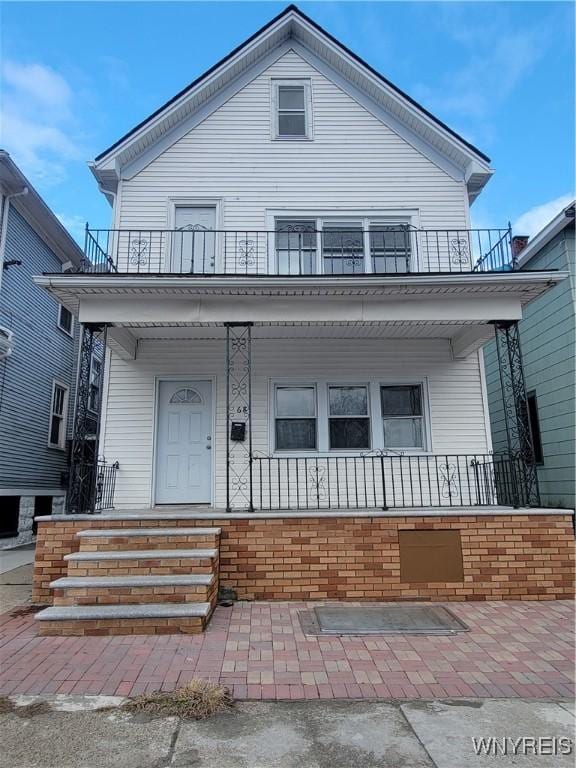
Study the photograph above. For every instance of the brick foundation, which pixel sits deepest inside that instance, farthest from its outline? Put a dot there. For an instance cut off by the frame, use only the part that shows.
(522, 557)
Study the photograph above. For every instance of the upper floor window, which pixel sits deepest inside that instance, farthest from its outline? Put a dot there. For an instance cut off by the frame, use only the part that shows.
(58, 411)
(65, 320)
(292, 107)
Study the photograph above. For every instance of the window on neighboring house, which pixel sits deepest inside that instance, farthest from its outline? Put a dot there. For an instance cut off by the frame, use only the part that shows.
(535, 427)
(58, 411)
(65, 320)
(402, 416)
(349, 422)
(295, 415)
(95, 384)
(296, 247)
(292, 110)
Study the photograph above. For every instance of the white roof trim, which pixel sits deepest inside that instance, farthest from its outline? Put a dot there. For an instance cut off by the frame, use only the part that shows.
(560, 222)
(293, 30)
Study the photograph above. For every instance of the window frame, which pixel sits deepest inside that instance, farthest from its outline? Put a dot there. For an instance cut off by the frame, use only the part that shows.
(306, 84)
(365, 221)
(70, 332)
(99, 360)
(425, 416)
(294, 385)
(535, 431)
(61, 445)
(375, 416)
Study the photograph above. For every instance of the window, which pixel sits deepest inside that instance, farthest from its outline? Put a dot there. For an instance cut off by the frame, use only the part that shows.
(65, 320)
(296, 247)
(57, 433)
(292, 110)
(95, 384)
(402, 416)
(535, 427)
(295, 410)
(349, 422)
(390, 248)
(343, 248)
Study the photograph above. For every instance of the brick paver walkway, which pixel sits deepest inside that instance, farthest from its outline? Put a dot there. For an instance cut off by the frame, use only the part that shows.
(514, 649)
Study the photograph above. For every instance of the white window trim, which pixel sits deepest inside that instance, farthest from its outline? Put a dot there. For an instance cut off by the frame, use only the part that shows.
(363, 218)
(375, 416)
(291, 383)
(274, 105)
(59, 323)
(61, 446)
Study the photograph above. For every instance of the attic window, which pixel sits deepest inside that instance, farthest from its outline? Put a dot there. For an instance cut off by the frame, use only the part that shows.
(292, 108)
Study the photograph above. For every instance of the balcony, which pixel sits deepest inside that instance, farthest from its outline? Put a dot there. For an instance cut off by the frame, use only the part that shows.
(297, 251)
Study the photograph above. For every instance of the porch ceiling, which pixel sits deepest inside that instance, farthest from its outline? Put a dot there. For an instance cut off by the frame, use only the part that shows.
(343, 330)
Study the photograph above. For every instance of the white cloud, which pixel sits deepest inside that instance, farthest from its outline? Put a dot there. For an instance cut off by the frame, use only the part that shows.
(39, 129)
(534, 220)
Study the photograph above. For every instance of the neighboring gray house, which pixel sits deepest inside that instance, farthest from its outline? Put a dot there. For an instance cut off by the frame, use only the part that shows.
(38, 354)
(547, 334)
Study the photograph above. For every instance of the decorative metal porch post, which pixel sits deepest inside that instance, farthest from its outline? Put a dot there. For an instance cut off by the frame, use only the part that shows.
(515, 406)
(239, 478)
(84, 453)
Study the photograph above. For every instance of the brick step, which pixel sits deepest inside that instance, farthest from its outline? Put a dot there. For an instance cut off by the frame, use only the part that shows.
(126, 590)
(106, 539)
(146, 619)
(143, 562)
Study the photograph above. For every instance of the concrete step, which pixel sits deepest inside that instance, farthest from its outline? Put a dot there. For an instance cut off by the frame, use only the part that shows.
(141, 562)
(131, 590)
(99, 539)
(144, 619)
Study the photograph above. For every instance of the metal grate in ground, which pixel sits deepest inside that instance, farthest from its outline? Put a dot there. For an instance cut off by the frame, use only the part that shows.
(381, 619)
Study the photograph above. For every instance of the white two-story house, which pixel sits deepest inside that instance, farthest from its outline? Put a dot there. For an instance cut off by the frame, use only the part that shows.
(294, 301)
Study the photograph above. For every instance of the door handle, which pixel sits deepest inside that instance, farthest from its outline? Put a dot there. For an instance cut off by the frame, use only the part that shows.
(208, 447)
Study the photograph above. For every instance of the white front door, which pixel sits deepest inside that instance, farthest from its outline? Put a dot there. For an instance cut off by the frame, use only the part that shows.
(184, 443)
(194, 246)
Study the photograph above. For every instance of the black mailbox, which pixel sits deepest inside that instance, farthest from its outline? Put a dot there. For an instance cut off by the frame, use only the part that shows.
(238, 431)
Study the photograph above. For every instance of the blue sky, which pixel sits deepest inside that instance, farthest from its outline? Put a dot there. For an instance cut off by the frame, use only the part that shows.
(77, 76)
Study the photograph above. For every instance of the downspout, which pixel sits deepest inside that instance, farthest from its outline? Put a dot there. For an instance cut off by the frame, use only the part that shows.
(4, 225)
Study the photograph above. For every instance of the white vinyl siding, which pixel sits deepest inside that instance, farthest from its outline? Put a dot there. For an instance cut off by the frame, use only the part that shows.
(354, 162)
(454, 391)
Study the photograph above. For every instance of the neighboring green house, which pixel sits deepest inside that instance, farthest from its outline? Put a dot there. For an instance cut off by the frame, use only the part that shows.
(547, 336)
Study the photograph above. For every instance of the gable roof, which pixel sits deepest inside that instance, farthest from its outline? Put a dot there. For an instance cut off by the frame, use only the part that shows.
(293, 29)
(36, 212)
(560, 222)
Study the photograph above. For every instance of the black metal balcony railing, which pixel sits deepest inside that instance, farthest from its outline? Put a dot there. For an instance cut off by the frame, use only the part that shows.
(298, 251)
(105, 485)
(385, 481)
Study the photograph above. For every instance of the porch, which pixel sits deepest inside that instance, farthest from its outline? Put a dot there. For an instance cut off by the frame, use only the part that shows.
(336, 394)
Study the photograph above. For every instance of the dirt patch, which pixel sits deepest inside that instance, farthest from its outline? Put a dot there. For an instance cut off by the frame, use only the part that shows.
(25, 610)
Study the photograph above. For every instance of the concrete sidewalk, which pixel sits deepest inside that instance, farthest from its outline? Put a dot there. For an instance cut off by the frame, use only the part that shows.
(16, 566)
(305, 734)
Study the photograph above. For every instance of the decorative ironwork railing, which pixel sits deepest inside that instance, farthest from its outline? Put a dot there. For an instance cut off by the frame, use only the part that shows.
(105, 485)
(293, 251)
(386, 481)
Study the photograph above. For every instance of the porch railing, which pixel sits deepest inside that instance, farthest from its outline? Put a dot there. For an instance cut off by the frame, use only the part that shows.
(105, 485)
(298, 251)
(386, 481)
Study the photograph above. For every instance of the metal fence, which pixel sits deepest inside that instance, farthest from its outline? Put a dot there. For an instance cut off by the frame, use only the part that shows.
(386, 481)
(298, 251)
(105, 485)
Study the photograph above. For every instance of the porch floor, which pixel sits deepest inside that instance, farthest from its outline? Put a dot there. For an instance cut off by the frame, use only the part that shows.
(258, 650)
(184, 512)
